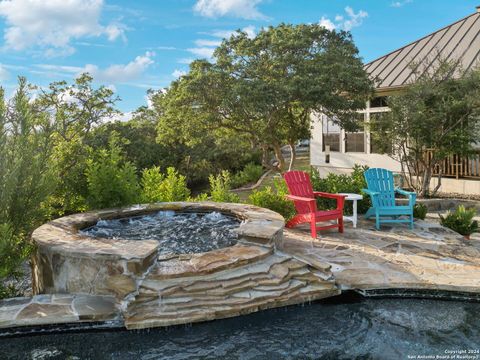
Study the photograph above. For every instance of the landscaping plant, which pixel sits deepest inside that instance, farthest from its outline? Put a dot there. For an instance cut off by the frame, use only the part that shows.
(220, 187)
(341, 183)
(461, 221)
(273, 198)
(420, 211)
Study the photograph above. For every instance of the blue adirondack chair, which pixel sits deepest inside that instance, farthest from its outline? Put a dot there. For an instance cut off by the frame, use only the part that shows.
(382, 192)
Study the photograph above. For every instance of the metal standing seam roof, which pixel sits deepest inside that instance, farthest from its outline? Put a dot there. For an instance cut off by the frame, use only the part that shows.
(458, 41)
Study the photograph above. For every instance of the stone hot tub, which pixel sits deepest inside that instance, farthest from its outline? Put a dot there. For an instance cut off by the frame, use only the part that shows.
(70, 260)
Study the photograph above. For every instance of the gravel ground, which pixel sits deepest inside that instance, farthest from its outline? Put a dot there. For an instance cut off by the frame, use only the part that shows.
(24, 282)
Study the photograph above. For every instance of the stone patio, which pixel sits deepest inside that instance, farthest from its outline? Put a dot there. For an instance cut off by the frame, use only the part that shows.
(428, 257)
(265, 269)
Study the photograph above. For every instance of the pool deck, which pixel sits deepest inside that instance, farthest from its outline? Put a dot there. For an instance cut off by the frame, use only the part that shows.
(430, 257)
(296, 269)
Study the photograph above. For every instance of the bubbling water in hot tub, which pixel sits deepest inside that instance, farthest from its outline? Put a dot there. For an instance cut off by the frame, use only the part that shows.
(177, 232)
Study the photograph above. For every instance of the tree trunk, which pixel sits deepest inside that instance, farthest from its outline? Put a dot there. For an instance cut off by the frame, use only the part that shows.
(439, 182)
(279, 156)
(293, 156)
(427, 176)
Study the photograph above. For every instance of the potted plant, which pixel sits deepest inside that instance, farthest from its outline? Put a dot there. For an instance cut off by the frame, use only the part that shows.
(461, 221)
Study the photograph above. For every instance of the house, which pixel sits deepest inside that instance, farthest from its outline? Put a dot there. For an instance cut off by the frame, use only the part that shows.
(392, 73)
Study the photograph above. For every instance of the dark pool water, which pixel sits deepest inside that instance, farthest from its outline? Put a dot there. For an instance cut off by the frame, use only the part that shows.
(366, 329)
(179, 233)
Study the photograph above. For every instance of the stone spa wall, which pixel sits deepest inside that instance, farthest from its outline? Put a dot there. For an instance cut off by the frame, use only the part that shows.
(69, 262)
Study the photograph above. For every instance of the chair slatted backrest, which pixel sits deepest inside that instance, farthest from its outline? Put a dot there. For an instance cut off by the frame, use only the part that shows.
(299, 184)
(381, 181)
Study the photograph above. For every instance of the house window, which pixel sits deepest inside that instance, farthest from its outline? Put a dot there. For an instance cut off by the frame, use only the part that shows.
(379, 101)
(378, 128)
(355, 142)
(331, 134)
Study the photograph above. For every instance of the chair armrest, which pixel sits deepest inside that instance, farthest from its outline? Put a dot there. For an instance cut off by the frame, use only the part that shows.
(328, 195)
(412, 196)
(403, 192)
(312, 203)
(370, 192)
(340, 198)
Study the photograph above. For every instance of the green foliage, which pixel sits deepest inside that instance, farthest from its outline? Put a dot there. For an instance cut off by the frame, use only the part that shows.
(263, 89)
(461, 221)
(158, 187)
(151, 182)
(112, 181)
(25, 177)
(420, 211)
(440, 113)
(249, 174)
(74, 110)
(220, 187)
(274, 199)
(13, 250)
(341, 183)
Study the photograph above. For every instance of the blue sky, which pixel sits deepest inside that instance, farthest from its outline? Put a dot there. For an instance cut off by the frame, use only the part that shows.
(132, 46)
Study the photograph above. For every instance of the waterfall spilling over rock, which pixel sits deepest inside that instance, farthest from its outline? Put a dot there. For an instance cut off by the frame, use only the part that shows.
(177, 232)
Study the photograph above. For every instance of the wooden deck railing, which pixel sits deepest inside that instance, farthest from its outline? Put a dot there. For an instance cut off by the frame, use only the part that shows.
(459, 167)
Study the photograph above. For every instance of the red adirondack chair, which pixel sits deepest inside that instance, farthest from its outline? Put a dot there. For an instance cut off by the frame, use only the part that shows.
(303, 196)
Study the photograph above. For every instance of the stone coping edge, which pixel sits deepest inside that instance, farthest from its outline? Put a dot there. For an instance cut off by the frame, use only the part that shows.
(62, 236)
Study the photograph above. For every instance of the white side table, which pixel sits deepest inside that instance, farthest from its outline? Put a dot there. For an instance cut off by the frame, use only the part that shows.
(354, 198)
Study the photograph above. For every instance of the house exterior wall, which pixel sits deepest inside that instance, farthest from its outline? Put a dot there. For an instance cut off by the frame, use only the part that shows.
(343, 161)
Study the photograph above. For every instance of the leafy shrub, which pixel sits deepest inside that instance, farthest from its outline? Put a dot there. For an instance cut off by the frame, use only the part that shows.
(174, 186)
(14, 250)
(199, 197)
(150, 182)
(250, 173)
(461, 221)
(220, 187)
(111, 181)
(420, 211)
(158, 187)
(341, 183)
(274, 199)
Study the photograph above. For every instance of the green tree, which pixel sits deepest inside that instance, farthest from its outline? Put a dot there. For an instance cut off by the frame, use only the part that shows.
(266, 88)
(111, 180)
(25, 176)
(75, 110)
(440, 113)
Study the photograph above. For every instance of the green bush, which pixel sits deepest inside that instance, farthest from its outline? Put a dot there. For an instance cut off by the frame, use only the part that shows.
(13, 250)
(250, 173)
(420, 211)
(158, 187)
(342, 183)
(220, 187)
(274, 199)
(112, 181)
(461, 221)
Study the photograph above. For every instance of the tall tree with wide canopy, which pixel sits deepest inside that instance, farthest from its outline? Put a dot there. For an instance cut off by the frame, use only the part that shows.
(266, 87)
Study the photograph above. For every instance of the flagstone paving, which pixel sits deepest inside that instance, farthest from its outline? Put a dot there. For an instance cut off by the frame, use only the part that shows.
(264, 269)
(429, 257)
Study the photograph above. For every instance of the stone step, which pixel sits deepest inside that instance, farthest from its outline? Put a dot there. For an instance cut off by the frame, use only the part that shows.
(149, 317)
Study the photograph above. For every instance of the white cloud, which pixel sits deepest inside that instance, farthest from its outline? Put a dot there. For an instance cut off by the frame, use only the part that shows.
(114, 74)
(177, 73)
(205, 42)
(51, 25)
(327, 23)
(246, 9)
(397, 4)
(342, 22)
(4, 74)
(185, 61)
(225, 34)
(203, 52)
(206, 47)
